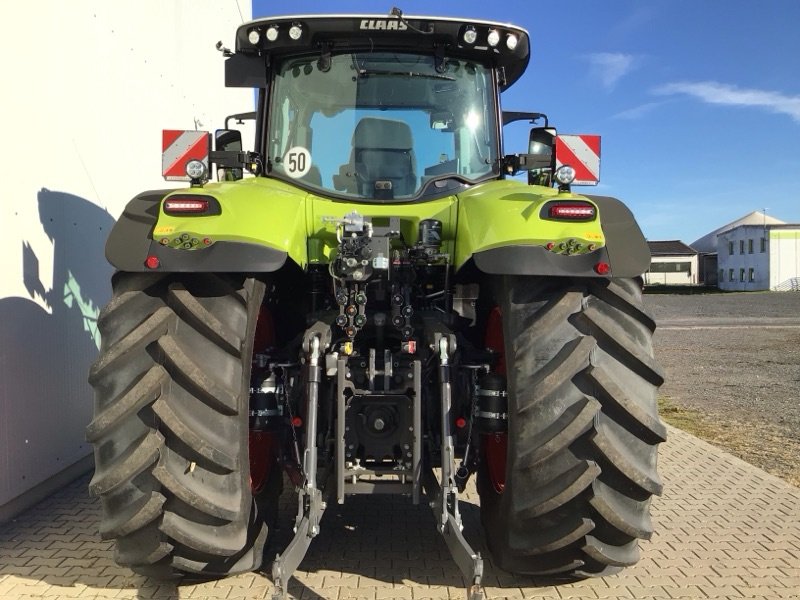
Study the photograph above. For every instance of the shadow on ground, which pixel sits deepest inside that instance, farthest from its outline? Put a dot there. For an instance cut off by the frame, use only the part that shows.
(380, 542)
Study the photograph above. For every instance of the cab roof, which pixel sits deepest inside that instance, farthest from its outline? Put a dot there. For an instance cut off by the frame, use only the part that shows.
(344, 33)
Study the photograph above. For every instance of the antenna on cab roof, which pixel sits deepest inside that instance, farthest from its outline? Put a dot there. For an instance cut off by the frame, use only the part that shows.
(396, 12)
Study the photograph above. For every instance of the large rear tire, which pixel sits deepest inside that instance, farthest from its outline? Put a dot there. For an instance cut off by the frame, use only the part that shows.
(170, 430)
(583, 428)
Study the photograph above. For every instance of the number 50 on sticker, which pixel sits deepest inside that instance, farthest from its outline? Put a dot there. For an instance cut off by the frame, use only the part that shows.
(297, 162)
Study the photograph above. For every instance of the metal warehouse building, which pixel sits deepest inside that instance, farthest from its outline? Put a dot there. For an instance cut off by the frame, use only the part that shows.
(759, 257)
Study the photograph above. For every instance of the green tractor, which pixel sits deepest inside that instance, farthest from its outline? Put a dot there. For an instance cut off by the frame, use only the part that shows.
(368, 303)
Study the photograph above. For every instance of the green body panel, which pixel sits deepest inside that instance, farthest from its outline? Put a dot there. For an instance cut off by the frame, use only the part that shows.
(498, 224)
(507, 213)
(272, 213)
(322, 235)
(256, 210)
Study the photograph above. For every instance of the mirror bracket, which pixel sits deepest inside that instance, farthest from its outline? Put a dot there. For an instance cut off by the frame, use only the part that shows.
(517, 163)
(229, 154)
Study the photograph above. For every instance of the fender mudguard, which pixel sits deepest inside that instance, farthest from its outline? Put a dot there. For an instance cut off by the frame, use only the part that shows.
(502, 231)
(628, 252)
(261, 225)
(128, 243)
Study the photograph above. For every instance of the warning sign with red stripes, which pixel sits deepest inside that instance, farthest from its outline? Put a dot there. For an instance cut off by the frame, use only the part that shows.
(179, 147)
(582, 153)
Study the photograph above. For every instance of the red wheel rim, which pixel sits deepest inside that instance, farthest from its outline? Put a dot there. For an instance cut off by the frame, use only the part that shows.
(262, 458)
(495, 451)
(495, 445)
(265, 331)
(494, 339)
(261, 445)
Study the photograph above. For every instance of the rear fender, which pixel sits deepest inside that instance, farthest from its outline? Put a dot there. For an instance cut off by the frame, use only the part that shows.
(502, 230)
(628, 252)
(259, 224)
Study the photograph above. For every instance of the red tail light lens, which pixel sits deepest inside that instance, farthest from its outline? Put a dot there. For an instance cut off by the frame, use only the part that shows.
(576, 211)
(191, 204)
(174, 206)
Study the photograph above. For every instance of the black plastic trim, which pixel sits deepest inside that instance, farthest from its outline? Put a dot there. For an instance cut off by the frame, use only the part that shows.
(629, 255)
(535, 260)
(347, 33)
(129, 240)
(246, 70)
(220, 257)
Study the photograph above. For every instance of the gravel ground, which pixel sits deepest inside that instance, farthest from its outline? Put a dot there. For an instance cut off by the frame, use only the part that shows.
(732, 364)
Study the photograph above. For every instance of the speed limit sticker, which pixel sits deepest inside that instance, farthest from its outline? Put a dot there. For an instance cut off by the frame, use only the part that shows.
(297, 162)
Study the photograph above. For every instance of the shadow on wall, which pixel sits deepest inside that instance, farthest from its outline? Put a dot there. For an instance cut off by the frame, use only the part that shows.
(81, 276)
(45, 357)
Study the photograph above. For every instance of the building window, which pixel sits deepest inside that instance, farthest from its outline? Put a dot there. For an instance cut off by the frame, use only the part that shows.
(763, 244)
(671, 267)
(741, 246)
(741, 275)
(749, 246)
(730, 247)
(751, 275)
(730, 274)
(722, 275)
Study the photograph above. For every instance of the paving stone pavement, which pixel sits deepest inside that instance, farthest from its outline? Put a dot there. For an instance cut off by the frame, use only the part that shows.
(724, 529)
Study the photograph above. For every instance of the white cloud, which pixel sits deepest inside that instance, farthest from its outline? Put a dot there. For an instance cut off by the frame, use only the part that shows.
(637, 112)
(610, 67)
(714, 92)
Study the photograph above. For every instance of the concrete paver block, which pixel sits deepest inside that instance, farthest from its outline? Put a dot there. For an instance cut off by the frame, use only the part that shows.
(724, 529)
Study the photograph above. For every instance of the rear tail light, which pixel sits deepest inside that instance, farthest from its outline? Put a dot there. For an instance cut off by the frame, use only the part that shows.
(569, 211)
(191, 205)
(572, 211)
(179, 206)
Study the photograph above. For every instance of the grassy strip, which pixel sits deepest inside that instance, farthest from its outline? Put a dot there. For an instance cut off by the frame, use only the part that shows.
(753, 443)
(687, 419)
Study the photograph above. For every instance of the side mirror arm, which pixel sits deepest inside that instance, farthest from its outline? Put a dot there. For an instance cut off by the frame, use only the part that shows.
(517, 163)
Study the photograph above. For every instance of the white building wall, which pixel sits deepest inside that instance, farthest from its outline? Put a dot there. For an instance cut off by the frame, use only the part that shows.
(784, 249)
(673, 278)
(89, 85)
(742, 260)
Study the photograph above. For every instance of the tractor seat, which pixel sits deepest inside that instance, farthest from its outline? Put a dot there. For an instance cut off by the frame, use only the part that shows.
(383, 158)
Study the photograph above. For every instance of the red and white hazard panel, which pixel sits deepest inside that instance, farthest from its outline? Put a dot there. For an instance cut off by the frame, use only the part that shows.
(582, 153)
(179, 147)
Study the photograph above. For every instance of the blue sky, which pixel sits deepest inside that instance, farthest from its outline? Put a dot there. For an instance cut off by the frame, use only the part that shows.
(698, 102)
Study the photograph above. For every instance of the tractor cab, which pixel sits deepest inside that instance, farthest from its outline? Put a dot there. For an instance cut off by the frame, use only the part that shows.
(387, 109)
